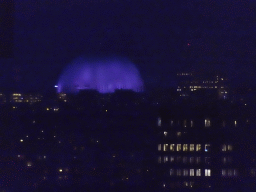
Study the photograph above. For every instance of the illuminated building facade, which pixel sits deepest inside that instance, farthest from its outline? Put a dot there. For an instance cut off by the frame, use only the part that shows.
(25, 98)
(197, 149)
(195, 82)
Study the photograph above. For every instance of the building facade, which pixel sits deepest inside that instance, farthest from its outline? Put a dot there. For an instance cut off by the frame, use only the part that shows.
(188, 83)
(202, 148)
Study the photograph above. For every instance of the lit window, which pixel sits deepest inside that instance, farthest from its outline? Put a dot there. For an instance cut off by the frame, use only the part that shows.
(159, 147)
(192, 147)
(165, 159)
(198, 147)
(224, 148)
(198, 172)
(224, 160)
(159, 159)
(215, 87)
(172, 172)
(165, 147)
(29, 164)
(185, 123)
(171, 159)
(207, 147)
(207, 123)
(223, 172)
(178, 147)
(21, 140)
(191, 123)
(178, 172)
(60, 170)
(178, 134)
(235, 123)
(185, 147)
(192, 172)
(171, 122)
(185, 159)
(207, 172)
(230, 147)
(198, 160)
(159, 122)
(185, 172)
(165, 133)
(172, 147)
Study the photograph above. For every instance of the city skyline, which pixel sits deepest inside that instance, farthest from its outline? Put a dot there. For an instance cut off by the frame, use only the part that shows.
(160, 40)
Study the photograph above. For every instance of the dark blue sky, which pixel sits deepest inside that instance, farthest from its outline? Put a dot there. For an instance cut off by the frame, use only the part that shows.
(160, 37)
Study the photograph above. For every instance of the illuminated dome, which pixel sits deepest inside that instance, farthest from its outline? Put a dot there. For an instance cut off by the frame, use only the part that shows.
(105, 75)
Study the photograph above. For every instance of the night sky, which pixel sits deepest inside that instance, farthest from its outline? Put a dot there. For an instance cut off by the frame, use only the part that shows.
(160, 37)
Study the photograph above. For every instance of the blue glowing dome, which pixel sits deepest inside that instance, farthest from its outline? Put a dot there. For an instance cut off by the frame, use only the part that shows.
(105, 75)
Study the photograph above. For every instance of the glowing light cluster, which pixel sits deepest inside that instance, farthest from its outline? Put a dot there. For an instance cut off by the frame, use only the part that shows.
(105, 75)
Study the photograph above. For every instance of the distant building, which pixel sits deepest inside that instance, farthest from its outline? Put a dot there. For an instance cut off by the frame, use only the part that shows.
(188, 83)
(25, 98)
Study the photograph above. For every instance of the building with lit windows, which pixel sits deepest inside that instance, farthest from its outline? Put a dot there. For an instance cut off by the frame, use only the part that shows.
(62, 97)
(189, 83)
(25, 98)
(203, 148)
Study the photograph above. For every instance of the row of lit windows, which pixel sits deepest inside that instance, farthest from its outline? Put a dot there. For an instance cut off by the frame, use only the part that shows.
(182, 74)
(227, 147)
(207, 122)
(203, 87)
(191, 160)
(184, 159)
(182, 147)
(210, 81)
(16, 94)
(198, 87)
(189, 172)
(26, 101)
(229, 172)
(190, 147)
(186, 123)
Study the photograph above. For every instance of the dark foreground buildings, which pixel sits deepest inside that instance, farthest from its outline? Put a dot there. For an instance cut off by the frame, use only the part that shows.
(127, 142)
